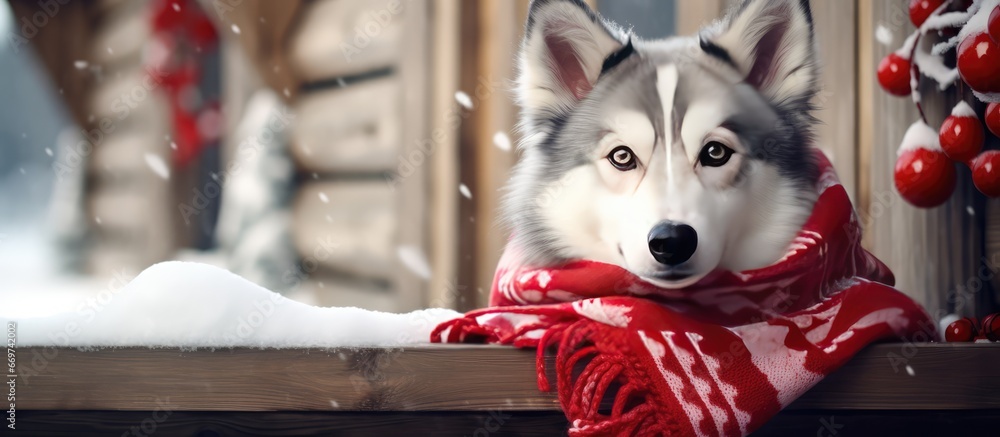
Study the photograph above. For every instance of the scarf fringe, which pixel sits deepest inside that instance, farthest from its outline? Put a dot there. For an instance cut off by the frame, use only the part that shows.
(631, 411)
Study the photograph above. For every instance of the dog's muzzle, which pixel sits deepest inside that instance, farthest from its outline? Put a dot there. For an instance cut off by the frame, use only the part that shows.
(672, 243)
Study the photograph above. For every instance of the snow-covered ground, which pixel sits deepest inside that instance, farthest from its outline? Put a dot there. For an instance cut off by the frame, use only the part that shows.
(183, 304)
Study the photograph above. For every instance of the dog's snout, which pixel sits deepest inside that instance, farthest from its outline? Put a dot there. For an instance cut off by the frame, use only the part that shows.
(672, 243)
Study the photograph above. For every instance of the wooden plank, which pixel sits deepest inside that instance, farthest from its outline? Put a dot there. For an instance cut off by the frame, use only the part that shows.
(337, 38)
(348, 226)
(412, 193)
(499, 422)
(865, 106)
(123, 34)
(442, 290)
(354, 129)
(444, 378)
(691, 16)
(829, 423)
(496, 114)
(836, 134)
(225, 424)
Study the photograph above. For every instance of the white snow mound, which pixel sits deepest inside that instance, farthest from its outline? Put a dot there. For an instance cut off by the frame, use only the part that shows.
(193, 305)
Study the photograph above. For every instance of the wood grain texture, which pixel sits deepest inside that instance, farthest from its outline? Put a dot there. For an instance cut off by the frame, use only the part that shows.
(865, 107)
(225, 424)
(692, 15)
(499, 34)
(444, 378)
(325, 43)
(442, 193)
(413, 192)
(836, 134)
(493, 423)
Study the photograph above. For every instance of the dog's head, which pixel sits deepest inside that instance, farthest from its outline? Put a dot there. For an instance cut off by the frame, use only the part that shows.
(671, 158)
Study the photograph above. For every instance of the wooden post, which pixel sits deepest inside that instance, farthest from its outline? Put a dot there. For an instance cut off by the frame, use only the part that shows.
(443, 291)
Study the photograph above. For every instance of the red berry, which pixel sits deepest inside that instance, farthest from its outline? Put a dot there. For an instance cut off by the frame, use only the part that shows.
(924, 177)
(993, 118)
(961, 134)
(991, 327)
(960, 330)
(979, 63)
(894, 75)
(994, 25)
(986, 173)
(921, 9)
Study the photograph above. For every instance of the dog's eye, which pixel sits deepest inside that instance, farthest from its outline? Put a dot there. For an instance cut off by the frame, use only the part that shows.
(622, 158)
(715, 154)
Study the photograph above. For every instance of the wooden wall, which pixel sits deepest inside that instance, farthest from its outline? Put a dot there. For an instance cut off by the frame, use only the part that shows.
(358, 137)
(491, 34)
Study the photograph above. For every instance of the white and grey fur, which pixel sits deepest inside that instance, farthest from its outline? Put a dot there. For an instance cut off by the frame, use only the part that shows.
(587, 86)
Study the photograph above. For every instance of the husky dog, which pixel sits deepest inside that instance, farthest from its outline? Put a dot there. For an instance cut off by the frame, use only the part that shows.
(671, 158)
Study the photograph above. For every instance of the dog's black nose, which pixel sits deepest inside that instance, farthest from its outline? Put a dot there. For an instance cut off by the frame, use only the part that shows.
(672, 243)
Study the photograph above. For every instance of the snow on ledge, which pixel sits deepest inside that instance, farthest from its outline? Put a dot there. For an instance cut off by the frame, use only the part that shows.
(193, 305)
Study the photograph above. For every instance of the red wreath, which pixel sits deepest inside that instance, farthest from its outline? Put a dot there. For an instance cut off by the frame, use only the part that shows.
(182, 34)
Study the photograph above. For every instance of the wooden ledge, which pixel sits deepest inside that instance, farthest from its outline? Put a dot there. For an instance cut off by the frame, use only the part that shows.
(443, 378)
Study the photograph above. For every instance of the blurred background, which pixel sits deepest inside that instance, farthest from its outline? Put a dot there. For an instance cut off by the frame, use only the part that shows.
(351, 152)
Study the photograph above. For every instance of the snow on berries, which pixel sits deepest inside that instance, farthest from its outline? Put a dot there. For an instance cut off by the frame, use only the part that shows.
(961, 135)
(969, 33)
(979, 63)
(924, 175)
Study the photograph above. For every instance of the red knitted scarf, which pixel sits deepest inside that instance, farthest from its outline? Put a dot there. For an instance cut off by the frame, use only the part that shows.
(718, 358)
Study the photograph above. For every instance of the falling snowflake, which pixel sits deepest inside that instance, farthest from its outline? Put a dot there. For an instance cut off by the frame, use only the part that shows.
(173, 145)
(286, 92)
(97, 220)
(323, 198)
(413, 258)
(341, 83)
(909, 371)
(462, 188)
(80, 64)
(48, 151)
(156, 164)
(236, 29)
(463, 99)
(334, 404)
(110, 52)
(969, 210)
(177, 7)
(883, 35)
(502, 141)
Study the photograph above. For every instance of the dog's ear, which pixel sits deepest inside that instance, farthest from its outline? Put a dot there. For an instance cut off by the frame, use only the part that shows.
(565, 46)
(771, 43)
